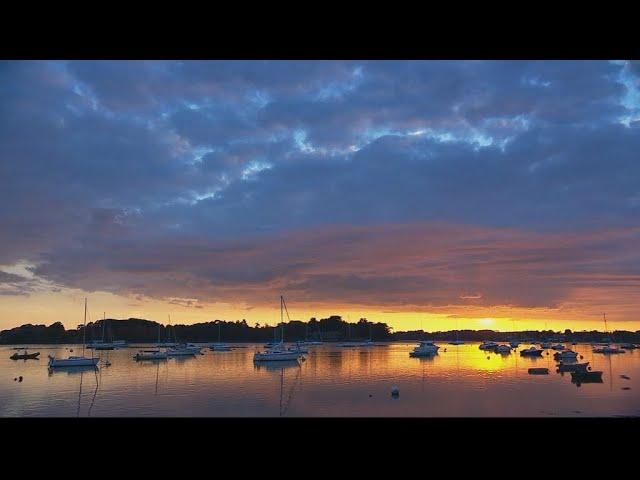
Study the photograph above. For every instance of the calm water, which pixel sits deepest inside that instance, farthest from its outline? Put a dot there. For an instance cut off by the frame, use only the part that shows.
(333, 381)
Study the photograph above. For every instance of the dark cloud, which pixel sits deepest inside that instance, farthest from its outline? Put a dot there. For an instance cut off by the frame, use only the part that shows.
(202, 162)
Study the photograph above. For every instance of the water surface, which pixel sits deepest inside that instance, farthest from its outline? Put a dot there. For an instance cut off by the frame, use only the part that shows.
(462, 381)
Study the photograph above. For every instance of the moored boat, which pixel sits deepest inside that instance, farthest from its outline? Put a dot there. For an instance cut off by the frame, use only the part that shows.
(24, 356)
(573, 367)
(503, 349)
(586, 377)
(565, 355)
(608, 349)
(151, 355)
(278, 352)
(488, 345)
(425, 348)
(76, 361)
(538, 371)
(531, 352)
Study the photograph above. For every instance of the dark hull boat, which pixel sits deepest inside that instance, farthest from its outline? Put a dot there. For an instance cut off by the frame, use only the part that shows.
(538, 371)
(586, 377)
(531, 352)
(573, 367)
(25, 356)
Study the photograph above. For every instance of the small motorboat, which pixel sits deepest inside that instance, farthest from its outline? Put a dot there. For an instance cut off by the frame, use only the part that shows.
(150, 355)
(503, 349)
(558, 346)
(538, 371)
(573, 367)
(565, 355)
(425, 348)
(24, 356)
(219, 347)
(531, 352)
(514, 344)
(456, 342)
(586, 377)
(545, 345)
(628, 346)
(488, 345)
(607, 349)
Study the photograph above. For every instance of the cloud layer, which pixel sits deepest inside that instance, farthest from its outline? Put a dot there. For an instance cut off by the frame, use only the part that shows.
(410, 184)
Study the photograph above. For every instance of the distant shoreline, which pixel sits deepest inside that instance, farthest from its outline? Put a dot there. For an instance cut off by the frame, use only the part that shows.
(331, 329)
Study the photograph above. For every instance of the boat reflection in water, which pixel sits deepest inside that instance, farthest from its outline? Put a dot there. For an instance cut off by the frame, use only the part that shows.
(461, 381)
(275, 365)
(71, 370)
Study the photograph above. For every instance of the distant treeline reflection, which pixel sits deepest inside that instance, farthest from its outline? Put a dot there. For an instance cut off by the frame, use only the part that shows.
(333, 328)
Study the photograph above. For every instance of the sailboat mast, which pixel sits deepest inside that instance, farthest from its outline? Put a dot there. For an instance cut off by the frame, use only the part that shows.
(84, 329)
(104, 322)
(281, 319)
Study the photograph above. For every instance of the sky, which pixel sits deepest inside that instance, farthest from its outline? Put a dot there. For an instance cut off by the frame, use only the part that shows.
(425, 194)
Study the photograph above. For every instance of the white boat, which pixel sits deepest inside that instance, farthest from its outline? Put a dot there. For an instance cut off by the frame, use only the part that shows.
(183, 350)
(219, 346)
(76, 361)
(276, 355)
(606, 348)
(73, 362)
(488, 345)
(149, 355)
(278, 352)
(628, 346)
(425, 348)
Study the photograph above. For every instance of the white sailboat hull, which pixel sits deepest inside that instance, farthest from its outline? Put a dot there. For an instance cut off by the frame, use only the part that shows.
(275, 356)
(73, 362)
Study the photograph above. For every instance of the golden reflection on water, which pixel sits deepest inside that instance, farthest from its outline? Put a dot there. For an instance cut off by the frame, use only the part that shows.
(460, 381)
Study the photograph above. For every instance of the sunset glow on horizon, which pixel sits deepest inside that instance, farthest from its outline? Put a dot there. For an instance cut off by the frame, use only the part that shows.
(500, 195)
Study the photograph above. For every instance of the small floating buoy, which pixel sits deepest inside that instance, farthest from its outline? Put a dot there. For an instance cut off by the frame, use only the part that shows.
(395, 391)
(370, 395)
(20, 378)
(488, 358)
(445, 349)
(581, 357)
(15, 379)
(547, 353)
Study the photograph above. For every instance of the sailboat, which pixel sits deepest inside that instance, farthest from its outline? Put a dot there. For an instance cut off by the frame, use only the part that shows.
(514, 343)
(219, 346)
(151, 354)
(278, 352)
(457, 341)
(74, 361)
(168, 342)
(608, 349)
